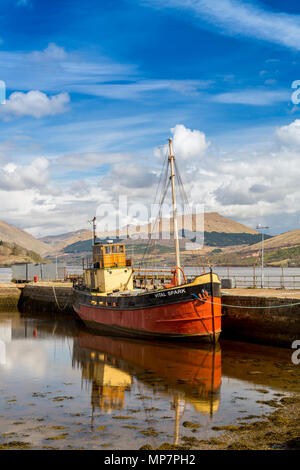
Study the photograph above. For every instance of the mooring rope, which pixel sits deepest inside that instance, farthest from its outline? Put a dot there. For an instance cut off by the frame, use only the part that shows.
(58, 306)
(244, 306)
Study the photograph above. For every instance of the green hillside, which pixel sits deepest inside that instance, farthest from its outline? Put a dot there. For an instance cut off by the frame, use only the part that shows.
(226, 239)
(11, 253)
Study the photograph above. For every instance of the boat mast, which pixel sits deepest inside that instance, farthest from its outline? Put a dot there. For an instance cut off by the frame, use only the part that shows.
(94, 231)
(172, 177)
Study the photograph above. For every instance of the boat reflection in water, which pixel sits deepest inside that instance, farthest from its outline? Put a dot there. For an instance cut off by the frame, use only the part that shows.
(187, 374)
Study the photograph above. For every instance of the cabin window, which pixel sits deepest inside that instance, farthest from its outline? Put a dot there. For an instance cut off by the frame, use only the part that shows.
(121, 249)
(114, 249)
(107, 250)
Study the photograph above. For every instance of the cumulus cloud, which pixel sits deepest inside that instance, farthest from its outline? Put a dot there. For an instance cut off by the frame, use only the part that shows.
(20, 177)
(188, 143)
(132, 176)
(290, 134)
(35, 103)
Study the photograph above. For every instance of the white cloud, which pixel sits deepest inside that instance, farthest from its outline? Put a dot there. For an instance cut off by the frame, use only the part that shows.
(290, 134)
(20, 177)
(90, 159)
(135, 89)
(54, 69)
(35, 103)
(254, 97)
(187, 143)
(131, 175)
(236, 17)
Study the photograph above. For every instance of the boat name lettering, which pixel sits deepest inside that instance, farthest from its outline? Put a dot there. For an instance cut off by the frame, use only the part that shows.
(177, 291)
(160, 294)
(171, 292)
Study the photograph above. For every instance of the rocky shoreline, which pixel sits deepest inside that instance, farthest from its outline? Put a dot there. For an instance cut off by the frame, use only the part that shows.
(280, 430)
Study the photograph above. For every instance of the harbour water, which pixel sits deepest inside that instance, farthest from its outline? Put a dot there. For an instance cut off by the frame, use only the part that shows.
(64, 387)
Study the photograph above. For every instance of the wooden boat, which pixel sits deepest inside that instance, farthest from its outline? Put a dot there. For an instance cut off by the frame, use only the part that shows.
(107, 300)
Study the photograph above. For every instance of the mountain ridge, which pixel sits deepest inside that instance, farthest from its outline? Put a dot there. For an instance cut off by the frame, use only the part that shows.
(13, 234)
(213, 222)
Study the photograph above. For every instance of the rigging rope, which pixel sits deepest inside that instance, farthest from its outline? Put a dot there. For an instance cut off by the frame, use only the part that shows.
(186, 201)
(163, 186)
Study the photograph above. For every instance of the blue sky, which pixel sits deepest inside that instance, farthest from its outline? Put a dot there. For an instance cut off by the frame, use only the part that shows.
(94, 87)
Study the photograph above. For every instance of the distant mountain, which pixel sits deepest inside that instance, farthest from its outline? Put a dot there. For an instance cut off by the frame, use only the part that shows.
(213, 222)
(13, 234)
(219, 232)
(58, 242)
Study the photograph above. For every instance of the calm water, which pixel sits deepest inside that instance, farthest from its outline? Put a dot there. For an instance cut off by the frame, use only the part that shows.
(64, 387)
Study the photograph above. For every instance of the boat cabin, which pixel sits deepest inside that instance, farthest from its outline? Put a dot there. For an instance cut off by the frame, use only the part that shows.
(109, 255)
(110, 271)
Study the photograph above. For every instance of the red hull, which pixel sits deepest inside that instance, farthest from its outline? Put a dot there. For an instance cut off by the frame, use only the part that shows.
(193, 366)
(183, 319)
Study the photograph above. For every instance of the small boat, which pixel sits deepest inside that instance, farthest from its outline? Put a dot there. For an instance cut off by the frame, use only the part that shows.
(108, 301)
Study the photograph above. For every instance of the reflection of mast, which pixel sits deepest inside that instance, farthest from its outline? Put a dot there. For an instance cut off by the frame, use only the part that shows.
(208, 405)
(178, 404)
(212, 384)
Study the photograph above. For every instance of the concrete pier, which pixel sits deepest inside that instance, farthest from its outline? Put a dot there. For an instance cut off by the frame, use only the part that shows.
(263, 316)
(50, 298)
(9, 296)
